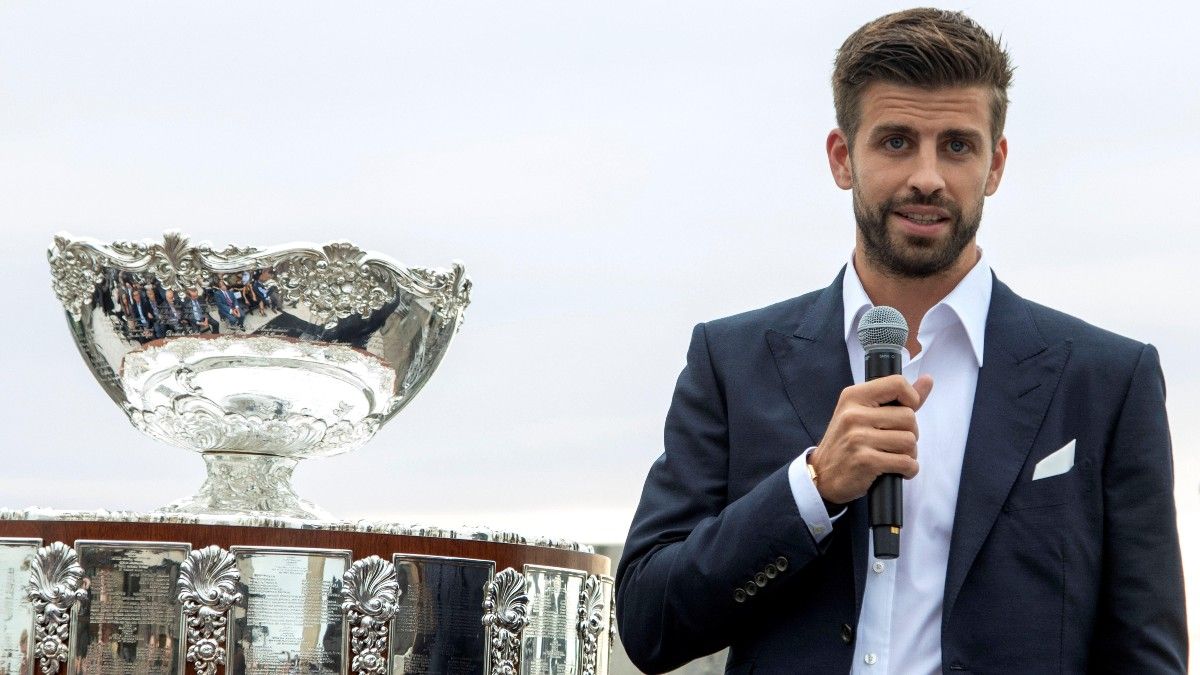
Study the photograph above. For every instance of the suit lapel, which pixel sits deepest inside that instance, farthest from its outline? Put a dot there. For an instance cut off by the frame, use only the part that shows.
(812, 361)
(1018, 378)
(815, 369)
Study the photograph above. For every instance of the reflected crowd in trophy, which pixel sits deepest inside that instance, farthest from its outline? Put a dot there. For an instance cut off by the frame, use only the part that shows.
(144, 310)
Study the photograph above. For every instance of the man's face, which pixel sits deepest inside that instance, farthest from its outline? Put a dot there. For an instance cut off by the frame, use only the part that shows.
(921, 165)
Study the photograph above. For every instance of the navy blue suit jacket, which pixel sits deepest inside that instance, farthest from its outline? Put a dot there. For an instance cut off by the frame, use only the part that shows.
(1074, 573)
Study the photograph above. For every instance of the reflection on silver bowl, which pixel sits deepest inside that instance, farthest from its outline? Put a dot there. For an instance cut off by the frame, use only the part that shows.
(256, 358)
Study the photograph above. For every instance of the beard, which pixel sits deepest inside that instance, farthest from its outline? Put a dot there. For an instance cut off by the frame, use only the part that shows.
(909, 256)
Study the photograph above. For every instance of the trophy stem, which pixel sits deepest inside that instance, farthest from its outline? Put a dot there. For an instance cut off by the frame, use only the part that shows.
(241, 484)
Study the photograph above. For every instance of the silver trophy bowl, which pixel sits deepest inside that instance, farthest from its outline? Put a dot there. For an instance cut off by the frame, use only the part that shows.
(255, 358)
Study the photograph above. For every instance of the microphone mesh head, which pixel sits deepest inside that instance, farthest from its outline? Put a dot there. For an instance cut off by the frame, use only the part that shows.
(882, 326)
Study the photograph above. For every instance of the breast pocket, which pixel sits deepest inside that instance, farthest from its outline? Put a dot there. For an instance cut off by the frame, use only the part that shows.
(1057, 475)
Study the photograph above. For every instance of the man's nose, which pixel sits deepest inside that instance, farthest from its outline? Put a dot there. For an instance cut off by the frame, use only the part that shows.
(926, 177)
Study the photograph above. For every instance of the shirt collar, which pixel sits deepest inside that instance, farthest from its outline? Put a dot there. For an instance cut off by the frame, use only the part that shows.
(969, 302)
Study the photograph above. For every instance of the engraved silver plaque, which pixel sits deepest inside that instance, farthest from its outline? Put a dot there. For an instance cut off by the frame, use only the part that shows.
(290, 619)
(550, 645)
(437, 628)
(16, 614)
(129, 622)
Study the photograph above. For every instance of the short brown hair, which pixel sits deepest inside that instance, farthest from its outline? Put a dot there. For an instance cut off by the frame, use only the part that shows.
(922, 47)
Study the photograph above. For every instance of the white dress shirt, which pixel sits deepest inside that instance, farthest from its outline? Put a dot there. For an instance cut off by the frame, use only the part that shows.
(900, 627)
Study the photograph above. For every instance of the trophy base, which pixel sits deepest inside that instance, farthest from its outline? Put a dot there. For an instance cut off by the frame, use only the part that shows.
(240, 484)
(292, 599)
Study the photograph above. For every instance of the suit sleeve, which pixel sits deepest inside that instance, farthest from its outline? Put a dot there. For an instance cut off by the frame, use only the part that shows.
(1141, 622)
(689, 548)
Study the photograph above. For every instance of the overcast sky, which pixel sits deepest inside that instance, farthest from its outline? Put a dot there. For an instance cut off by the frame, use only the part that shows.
(611, 174)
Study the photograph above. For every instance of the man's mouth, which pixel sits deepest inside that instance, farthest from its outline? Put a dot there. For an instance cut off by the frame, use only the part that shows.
(924, 219)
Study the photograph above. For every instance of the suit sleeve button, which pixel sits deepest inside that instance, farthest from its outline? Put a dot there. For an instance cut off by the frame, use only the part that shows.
(751, 589)
(772, 571)
(760, 580)
(782, 563)
(847, 633)
(739, 595)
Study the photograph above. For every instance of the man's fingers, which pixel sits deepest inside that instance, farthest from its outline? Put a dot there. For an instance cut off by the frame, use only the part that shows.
(894, 442)
(908, 467)
(906, 394)
(923, 386)
(879, 391)
(893, 388)
(885, 390)
(902, 464)
(891, 417)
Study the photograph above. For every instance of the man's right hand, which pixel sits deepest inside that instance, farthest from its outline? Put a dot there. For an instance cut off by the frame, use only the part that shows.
(867, 438)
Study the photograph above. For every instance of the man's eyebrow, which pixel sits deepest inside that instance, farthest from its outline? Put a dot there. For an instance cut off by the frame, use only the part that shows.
(888, 129)
(970, 135)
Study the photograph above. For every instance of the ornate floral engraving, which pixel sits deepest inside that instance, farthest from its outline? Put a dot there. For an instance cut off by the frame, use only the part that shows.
(505, 614)
(336, 282)
(169, 372)
(371, 593)
(53, 590)
(591, 621)
(199, 424)
(182, 349)
(240, 483)
(447, 289)
(612, 625)
(177, 263)
(208, 588)
(75, 271)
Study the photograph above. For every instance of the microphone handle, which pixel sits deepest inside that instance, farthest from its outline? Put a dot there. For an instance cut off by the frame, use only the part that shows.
(885, 498)
(885, 502)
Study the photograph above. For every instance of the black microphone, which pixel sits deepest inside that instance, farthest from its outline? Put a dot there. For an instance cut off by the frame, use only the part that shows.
(882, 333)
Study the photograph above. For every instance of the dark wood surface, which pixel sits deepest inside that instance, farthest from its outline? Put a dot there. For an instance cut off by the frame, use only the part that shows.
(362, 544)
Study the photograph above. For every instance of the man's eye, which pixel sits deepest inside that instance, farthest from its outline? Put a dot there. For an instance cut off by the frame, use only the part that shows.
(895, 143)
(958, 147)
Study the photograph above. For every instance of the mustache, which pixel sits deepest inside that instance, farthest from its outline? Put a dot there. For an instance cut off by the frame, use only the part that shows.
(935, 200)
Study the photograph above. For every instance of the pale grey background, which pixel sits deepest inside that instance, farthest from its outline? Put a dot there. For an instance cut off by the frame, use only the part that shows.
(611, 173)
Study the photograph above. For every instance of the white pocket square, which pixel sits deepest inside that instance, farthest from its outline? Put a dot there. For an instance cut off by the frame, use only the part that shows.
(1058, 462)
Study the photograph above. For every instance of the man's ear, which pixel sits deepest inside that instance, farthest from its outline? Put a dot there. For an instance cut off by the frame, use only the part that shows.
(996, 170)
(837, 146)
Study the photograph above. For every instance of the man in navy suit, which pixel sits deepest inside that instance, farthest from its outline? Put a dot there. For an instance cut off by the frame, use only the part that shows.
(141, 312)
(196, 316)
(170, 317)
(229, 306)
(1039, 523)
